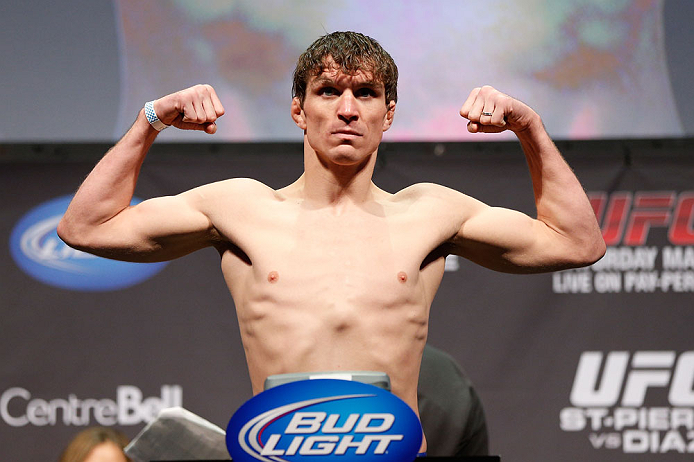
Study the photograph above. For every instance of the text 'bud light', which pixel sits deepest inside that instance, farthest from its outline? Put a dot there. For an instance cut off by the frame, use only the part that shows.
(322, 420)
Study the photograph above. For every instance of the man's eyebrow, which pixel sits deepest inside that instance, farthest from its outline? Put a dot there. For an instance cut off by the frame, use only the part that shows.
(322, 80)
(374, 84)
(327, 81)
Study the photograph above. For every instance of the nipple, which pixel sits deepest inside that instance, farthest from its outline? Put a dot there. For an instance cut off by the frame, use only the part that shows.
(402, 276)
(273, 276)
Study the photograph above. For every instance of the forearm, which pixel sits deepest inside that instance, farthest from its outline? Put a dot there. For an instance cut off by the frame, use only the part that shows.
(560, 200)
(109, 187)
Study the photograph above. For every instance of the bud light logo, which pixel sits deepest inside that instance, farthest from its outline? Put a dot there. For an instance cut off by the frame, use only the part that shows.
(324, 420)
(39, 252)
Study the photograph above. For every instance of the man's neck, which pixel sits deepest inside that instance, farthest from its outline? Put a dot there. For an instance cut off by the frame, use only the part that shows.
(328, 184)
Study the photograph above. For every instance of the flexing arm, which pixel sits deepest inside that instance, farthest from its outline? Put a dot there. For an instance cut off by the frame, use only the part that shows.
(565, 233)
(100, 219)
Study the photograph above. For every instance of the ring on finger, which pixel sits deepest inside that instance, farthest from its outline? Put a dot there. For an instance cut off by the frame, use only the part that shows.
(486, 113)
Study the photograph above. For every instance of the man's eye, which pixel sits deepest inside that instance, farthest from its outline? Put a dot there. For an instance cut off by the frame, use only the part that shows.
(327, 91)
(366, 92)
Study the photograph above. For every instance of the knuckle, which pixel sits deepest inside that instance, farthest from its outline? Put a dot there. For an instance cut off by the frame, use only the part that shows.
(186, 95)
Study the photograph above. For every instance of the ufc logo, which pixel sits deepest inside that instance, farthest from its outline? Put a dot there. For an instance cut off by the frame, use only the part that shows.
(649, 369)
(628, 217)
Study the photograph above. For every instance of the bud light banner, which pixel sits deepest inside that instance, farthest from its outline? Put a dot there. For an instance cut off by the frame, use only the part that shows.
(322, 420)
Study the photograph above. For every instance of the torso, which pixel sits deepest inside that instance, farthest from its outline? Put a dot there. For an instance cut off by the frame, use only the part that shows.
(318, 289)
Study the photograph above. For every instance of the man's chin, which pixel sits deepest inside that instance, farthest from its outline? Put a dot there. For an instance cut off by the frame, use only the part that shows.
(348, 155)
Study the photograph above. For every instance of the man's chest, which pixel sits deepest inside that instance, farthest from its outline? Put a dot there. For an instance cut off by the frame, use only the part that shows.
(348, 255)
(355, 239)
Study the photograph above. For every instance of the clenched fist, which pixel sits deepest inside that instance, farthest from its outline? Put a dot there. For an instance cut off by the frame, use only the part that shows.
(490, 111)
(195, 108)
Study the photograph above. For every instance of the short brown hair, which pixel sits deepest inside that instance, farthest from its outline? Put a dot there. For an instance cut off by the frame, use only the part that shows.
(86, 440)
(352, 52)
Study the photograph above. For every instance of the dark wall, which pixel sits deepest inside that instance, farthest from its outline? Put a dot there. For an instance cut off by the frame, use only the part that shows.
(172, 336)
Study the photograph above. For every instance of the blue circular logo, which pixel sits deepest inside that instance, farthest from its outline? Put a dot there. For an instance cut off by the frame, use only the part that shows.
(324, 420)
(39, 252)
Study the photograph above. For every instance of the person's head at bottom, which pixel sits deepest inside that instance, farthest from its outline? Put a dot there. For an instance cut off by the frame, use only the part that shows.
(96, 444)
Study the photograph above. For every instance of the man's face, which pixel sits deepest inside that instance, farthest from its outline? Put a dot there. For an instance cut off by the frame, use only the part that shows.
(344, 116)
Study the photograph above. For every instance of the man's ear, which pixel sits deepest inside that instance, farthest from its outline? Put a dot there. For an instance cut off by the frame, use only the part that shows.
(388, 121)
(298, 113)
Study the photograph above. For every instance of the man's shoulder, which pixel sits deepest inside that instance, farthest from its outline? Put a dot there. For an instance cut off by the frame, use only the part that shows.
(248, 188)
(426, 192)
(230, 194)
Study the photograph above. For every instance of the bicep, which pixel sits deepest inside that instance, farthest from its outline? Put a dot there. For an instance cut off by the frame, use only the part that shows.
(157, 229)
(510, 241)
(498, 238)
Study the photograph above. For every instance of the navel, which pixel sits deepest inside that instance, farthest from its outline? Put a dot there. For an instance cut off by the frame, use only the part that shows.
(402, 277)
(273, 276)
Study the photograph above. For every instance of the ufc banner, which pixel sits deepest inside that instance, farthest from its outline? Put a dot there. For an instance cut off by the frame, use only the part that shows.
(589, 364)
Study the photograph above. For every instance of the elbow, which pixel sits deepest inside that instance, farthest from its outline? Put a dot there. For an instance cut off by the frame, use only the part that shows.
(70, 234)
(597, 251)
(65, 232)
(589, 252)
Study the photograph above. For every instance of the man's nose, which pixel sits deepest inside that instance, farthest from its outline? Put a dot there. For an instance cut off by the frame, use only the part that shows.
(347, 109)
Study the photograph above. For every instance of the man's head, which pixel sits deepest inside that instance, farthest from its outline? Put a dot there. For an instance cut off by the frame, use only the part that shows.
(350, 52)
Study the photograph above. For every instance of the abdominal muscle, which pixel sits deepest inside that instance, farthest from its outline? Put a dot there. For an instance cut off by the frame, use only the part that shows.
(305, 331)
(333, 337)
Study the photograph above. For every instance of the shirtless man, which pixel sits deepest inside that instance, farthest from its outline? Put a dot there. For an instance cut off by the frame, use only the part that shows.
(331, 272)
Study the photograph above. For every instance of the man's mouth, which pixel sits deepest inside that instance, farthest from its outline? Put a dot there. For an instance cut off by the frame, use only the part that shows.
(346, 132)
